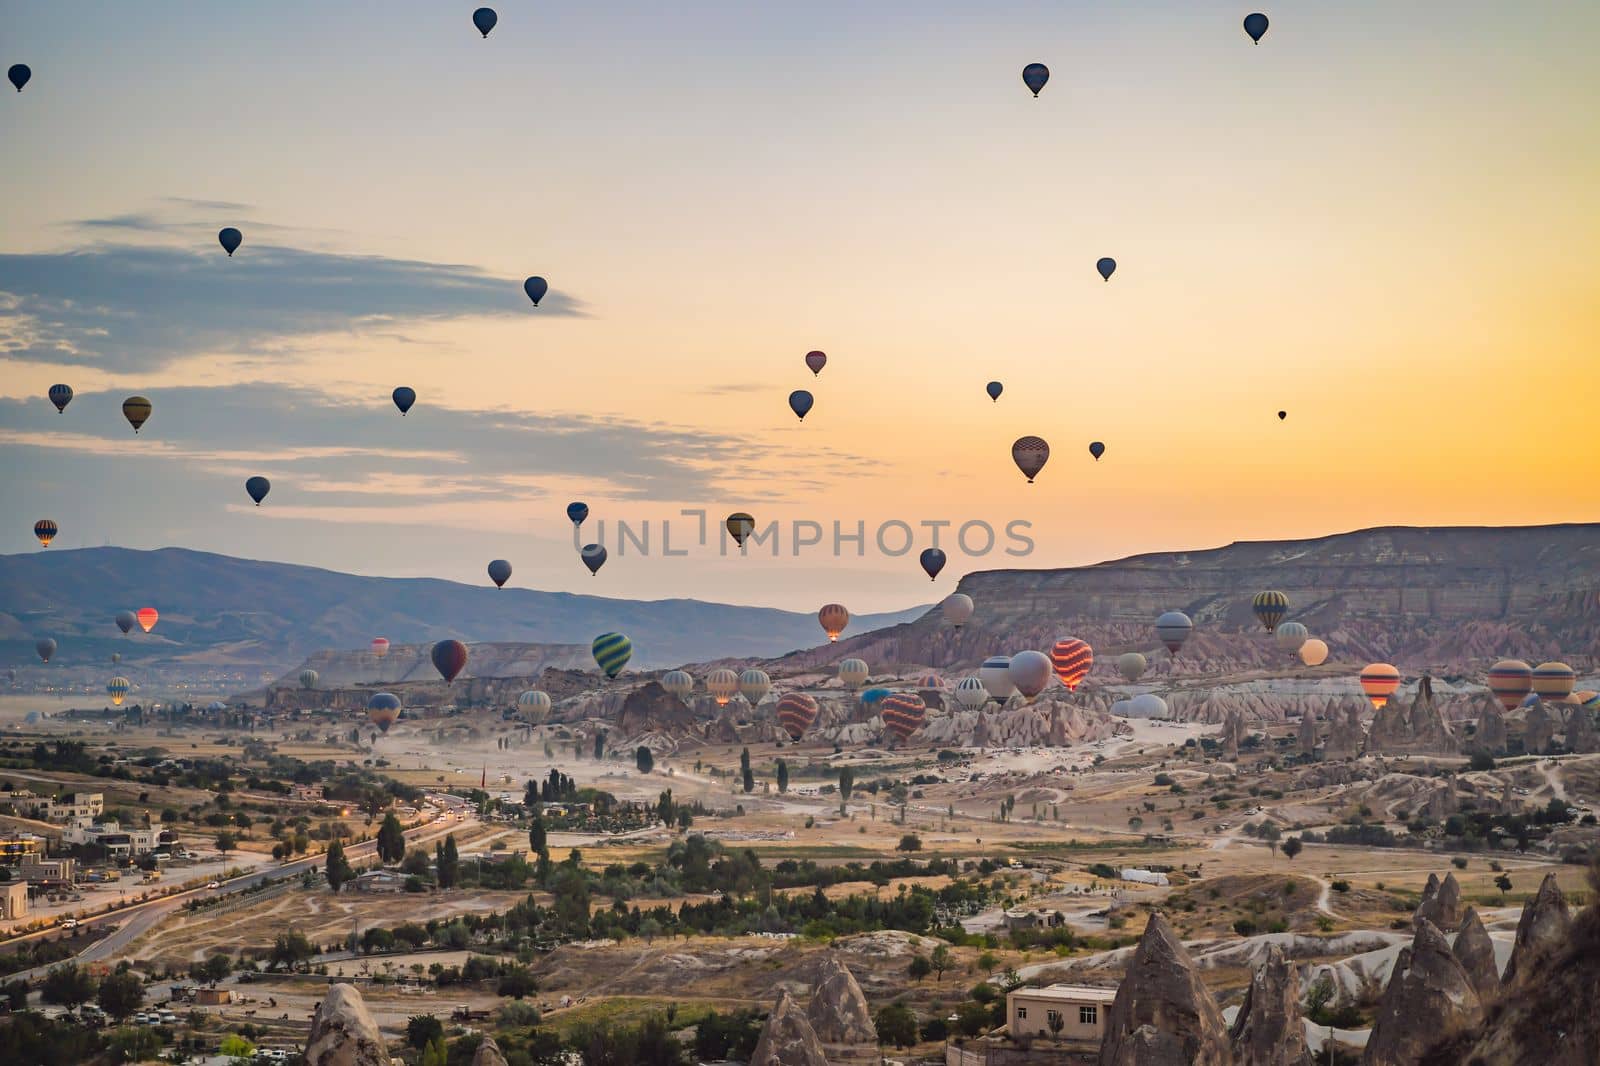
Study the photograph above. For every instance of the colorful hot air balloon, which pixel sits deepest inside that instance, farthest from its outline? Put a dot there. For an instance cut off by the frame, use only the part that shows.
(723, 684)
(1030, 672)
(1269, 608)
(404, 397)
(449, 658)
(1553, 681)
(594, 557)
(834, 618)
(903, 713)
(816, 361)
(1071, 659)
(534, 706)
(1174, 627)
(1107, 267)
(994, 389)
(929, 680)
(484, 19)
(19, 73)
(678, 683)
(117, 688)
(1288, 636)
(995, 673)
(1034, 76)
(46, 647)
(126, 621)
(136, 409)
(230, 239)
(60, 395)
(499, 572)
(754, 685)
(611, 652)
(257, 488)
(957, 608)
(1030, 454)
(932, 560)
(1314, 652)
(535, 287)
(577, 511)
(1096, 449)
(46, 531)
(796, 712)
(800, 402)
(971, 693)
(1131, 665)
(739, 526)
(147, 618)
(874, 696)
(380, 647)
(1255, 24)
(1510, 680)
(383, 709)
(308, 679)
(853, 672)
(1585, 698)
(1379, 681)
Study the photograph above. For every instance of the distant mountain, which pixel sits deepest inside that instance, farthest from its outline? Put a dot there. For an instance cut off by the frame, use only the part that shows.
(222, 616)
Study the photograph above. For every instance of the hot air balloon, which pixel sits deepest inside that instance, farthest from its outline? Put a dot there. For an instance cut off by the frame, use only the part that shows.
(46, 647)
(1034, 75)
(147, 618)
(1269, 608)
(46, 530)
(1147, 705)
(816, 361)
(1314, 652)
(534, 706)
(535, 287)
(1071, 659)
(117, 688)
(576, 513)
(308, 679)
(19, 75)
(834, 618)
(1030, 672)
(1379, 681)
(677, 683)
(853, 672)
(930, 680)
(1174, 627)
(995, 673)
(1510, 680)
(971, 693)
(723, 684)
(404, 397)
(380, 647)
(1096, 449)
(1107, 267)
(932, 560)
(60, 395)
(499, 572)
(754, 685)
(740, 525)
(449, 658)
(1131, 665)
(1586, 698)
(874, 696)
(116, 657)
(1289, 636)
(1030, 454)
(230, 239)
(957, 608)
(611, 652)
(1553, 681)
(994, 389)
(126, 621)
(136, 409)
(484, 18)
(594, 557)
(257, 488)
(800, 402)
(1255, 24)
(1282, 415)
(383, 709)
(796, 712)
(903, 713)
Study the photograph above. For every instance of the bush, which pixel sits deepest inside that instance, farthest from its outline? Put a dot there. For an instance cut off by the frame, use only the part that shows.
(896, 1025)
(1459, 863)
(422, 1030)
(1244, 927)
(1340, 886)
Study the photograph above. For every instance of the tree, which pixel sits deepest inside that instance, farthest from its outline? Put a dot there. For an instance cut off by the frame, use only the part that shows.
(1271, 834)
(600, 745)
(237, 1048)
(920, 967)
(135, 1044)
(434, 1054)
(909, 842)
(448, 863)
(391, 840)
(121, 994)
(987, 962)
(215, 968)
(339, 869)
(226, 842)
(744, 759)
(896, 1025)
(422, 1030)
(666, 809)
(1292, 847)
(416, 863)
(289, 950)
(847, 781)
(941, 961)
(1503, 883)
(644, 760)
(68, 985)
(1055, 1021)
(783, 776)
(749, 780)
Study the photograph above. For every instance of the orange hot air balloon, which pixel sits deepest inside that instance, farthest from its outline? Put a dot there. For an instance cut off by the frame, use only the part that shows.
(1510, 680)
(833, 618)
(1071, 659)
(903, 713)
(1379, 682)
(147, 618)
(796, 712)
(1554, 681)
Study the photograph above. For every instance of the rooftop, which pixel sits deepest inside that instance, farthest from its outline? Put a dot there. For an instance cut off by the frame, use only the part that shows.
(1069, 993)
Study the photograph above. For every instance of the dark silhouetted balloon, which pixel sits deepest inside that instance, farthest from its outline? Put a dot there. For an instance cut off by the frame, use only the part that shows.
(45, 530)
(404, 397)
(1030, 454)
(19, 75)
(1107, 267)
(449, 658)
(484, 18)
(740, 525)
(594, 557)
(126, 621)
(60, 395)
(258, 487)
(536, 287)
(499, 572)
(1255, 24)
(932, 562)
(46, 647)
(230, 239)
(1097, 449)
(1034, 75)
(383, 709)
(577, 512)
(816, 361)
(1282, 415)
(800, 402)
(994, 389)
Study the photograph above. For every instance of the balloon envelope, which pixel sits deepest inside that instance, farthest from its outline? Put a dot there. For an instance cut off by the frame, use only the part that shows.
(932, 560)
(257, 488)
(1510, 680)
(449, 658)
(1290, 635)
(46, 647)
(535, 287)
(800, 402)
(499, 572)
(833, 618)
(1282, 415)
(740, 525)
(816, 361)
(594, 557)
(853, 672)
(994, 389)
(383, 709)
(148, 617)
(722, 683)
(404, 397)
(1255, 24)
(577, 511)
(903, 713)
(796, 712)
(1071, 658)
(754, 685)
(1030, 672)
(1553, 681)
(117, 688)
(136, 409)
(677, 683)
(1379, 681)
(611, 652)
(1131, 665)
(1096, 449)
(874, 696)
(45, 529)
(995, 673)
(534, 705)
(484, 18)
(1030, 454)
(308, 679)
(126, 621)
(1106, 267)
(1269, 608)
(1147, 705)
(957, 608)
(1314, 652)
(230, 239)
(1174, 627)
(1034, 76)
(971, 693)
(60, 395)
(380, 646)
(19, 75)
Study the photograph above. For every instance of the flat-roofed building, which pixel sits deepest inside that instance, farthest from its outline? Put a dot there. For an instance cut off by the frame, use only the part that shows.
(13, 900)
(1060, 1012)
(79, 805)
(16, 847)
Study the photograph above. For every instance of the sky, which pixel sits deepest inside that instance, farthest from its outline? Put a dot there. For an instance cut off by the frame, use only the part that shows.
(1380, 220)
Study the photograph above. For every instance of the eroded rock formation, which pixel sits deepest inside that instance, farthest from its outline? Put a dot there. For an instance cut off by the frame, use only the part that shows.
(1417, 728)
(1268, 1030)
(1441, 902)
(840, 1017)
(788, 1039)
(1163, 1013)
(1429, 1000)
(488, 1054)
(1475, 951)
(1544, 922)
(343, 1032)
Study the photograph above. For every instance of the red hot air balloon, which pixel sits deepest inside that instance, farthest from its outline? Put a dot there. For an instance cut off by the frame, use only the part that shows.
(1379, 681)
(816, 361)
(1071, 659)
(147, 618)
(796, 712)
(380, 646)
(1030, 454)
(903, 713)
(449, 658)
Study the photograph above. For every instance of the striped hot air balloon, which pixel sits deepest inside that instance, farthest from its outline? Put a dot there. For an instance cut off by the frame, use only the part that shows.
(1553, 681)
(449, 658)
(853, 672)
(1269, 608)
(834, 618)
(1585, 698)
(723, 684)
(308, 679)
(380, 647)
(796, 713)
(677, 683)
(1071, 658)
(612, 652)
(754, 685)
(117, 688)
(534, 706)
(1379, 681)
(930, 680)
(903, 713)
(971, 693)
(136, 409)
(1174, 627)
(1290, 635)
(46, 531)
(147, 618)
(383, 710)
(995, 673)
(1510, 680)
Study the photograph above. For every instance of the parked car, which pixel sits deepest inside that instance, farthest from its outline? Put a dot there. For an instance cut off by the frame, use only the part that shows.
(213, 886)
(70, 923)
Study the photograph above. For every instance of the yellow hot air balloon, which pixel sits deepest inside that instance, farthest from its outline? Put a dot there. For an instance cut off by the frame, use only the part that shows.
(117, 688)
(1314, 652)
(1553, 681)
(722, 683)
(853, 672)
(136, 409)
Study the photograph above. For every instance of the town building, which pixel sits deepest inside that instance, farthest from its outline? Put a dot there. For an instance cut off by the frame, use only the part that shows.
(76, 807)
(1074, 1013)
(13, 900)
(16, 847)
(38, 870)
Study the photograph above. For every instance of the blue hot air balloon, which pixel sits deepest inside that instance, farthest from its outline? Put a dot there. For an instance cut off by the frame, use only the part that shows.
(499, 572)
(536, 287)
(932, 562)
(258, 487)
(1107, 267)
(60, 395)
(1034, 75)
(19, 75)
(1255, 24)
(1097, 449)
(577, 511)
(874, 696)
(800, 402)
(994, 389)
(484, 18)
(404, 397)
(230, 239)
(594, 557)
